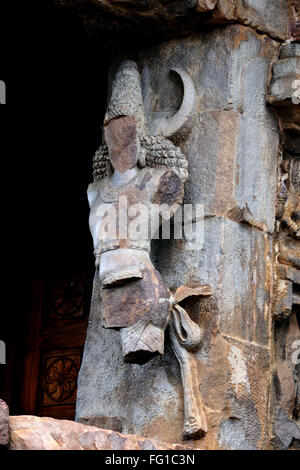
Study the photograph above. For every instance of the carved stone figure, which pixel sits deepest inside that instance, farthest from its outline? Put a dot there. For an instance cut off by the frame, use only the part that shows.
(139, 180)
(284, 97)
(288, 207)
(292, 210)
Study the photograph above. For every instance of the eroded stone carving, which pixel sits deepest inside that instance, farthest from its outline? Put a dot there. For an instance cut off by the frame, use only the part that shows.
(139, 180)
(286, 424)
(186, 338)
(288, 207)
(285, 87)
(292, 209)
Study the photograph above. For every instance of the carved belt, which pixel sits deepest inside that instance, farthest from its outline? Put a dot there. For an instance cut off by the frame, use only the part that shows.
(110, 245)
(115, 278)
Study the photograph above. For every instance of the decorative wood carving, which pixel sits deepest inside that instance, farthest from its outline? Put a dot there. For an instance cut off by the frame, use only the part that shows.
(52, 338)
(60, 378)
(67, 296)
(58, 381)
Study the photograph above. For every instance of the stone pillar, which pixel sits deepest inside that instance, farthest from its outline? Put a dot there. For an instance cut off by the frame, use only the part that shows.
(232, 154)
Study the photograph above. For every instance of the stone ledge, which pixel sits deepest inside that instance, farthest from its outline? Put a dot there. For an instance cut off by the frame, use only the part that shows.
(173, 17)
(34, 433)
(4, 425)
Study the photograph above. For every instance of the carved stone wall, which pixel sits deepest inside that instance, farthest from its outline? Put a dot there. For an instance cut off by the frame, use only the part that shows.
(232, 152)
(284, 96)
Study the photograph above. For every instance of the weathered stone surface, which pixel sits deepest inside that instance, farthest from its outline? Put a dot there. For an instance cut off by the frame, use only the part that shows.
(283, 299)
(183, 292)
(237, 262)
(232, 148)
(289, 251)
(141, 16)
(134, 296)
(157, 406)
(103, 422)
(272, 18)
(284, 92)
(285, 74)
(121, 137)
(286, 429)
(4, 424)
(294, 8)
(172, 17)
(147, 399)
(290, 50)
(232, 154)
(205, 5)
(286, 384)
(33, 433)
(248, 397)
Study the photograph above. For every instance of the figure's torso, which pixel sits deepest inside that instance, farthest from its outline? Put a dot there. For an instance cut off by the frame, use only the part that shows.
(128, 216)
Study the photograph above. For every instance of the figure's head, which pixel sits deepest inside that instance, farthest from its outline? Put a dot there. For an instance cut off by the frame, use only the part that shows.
(130, 138)
(121, 137)
(124, 119)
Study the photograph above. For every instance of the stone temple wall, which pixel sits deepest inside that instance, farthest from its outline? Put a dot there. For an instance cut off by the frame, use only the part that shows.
(243, 153)
(232, 154)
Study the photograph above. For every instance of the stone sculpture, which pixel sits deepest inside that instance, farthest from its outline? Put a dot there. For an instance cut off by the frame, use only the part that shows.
(139, 177)
(283, 97)
(288, 205)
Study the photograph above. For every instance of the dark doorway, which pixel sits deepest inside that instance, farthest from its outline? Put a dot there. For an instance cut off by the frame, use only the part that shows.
(61, 102)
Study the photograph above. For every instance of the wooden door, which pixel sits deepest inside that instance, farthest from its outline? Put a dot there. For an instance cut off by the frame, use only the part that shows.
(54, 345)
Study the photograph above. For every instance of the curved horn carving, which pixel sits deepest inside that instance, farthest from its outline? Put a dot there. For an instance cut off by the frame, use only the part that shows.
(182, 120)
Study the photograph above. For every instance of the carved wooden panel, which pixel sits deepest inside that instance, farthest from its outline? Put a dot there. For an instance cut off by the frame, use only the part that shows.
(66, 297)
(58, 382)
(54, 345)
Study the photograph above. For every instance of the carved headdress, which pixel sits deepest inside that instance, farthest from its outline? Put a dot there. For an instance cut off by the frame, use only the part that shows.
(126, 97)
(156, 149)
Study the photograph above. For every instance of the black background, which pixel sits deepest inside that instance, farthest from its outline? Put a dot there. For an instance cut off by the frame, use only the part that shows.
(55, 79)
(56, 91)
